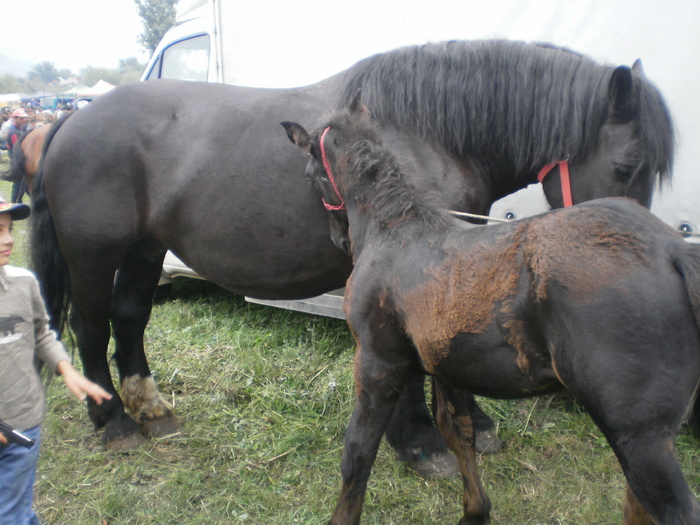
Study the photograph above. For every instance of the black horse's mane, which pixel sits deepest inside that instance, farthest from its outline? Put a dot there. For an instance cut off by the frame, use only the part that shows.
(372, 177)
(532, 103)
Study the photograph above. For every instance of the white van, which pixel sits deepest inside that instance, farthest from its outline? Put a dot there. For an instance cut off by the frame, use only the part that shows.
(288, 44)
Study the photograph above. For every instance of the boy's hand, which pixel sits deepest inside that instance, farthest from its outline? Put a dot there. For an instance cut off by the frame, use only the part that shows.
(80, 385)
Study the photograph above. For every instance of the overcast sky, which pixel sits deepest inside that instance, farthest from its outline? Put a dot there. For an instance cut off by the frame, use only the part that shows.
(72, 34)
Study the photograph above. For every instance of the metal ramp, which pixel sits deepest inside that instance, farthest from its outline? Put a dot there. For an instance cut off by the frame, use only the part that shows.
(328, 305)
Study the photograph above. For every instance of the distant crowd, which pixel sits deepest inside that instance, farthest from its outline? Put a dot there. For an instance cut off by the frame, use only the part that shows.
(35, 117)
(26, 119)
(17, 122)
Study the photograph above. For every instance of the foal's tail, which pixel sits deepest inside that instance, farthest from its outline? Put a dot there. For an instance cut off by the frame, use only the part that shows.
(47, 260)
(687, 262)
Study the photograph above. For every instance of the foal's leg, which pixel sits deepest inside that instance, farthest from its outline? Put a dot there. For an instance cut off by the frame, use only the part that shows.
(455, 423)
(639, 419)
(694, 417)
(378, 383)
(634, 513)
(656, 488)
(638, 398)
(132, 300)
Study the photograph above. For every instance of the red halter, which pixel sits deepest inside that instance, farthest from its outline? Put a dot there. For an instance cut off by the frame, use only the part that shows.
(327, 167)
(563, 176)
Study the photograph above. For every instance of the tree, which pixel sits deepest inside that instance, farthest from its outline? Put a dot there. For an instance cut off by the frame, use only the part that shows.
(158, 16)
(127, 65)
(10, 84)
(45, 71)
(91, 75)
(130, 69)
(65, 73)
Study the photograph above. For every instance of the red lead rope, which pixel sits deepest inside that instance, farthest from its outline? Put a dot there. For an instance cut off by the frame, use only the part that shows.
(563, 177)
(327, 167)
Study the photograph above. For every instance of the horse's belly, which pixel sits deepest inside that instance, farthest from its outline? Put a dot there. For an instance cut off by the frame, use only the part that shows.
(478, 364)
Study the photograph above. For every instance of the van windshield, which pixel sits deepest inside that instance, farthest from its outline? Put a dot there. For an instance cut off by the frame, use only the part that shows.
(185, 60)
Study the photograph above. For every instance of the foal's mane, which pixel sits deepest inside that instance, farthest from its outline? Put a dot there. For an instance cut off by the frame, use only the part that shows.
(529, 103)
(369, 174)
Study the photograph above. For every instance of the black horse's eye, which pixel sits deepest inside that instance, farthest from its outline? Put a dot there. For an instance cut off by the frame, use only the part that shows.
(623, 171)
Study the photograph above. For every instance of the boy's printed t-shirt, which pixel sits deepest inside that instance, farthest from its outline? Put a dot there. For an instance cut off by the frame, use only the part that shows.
(25, 338)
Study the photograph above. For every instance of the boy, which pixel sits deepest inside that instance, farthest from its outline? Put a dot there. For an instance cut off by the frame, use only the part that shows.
(24, 338)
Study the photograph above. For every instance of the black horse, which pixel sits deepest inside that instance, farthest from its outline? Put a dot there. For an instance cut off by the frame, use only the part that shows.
(190, 167)
(602, 299)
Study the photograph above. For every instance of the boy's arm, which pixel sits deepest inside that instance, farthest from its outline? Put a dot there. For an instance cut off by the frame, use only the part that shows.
(80, 385)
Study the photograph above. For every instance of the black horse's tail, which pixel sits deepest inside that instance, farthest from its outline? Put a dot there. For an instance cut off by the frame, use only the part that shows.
(687, 262)
(47, 261)
(15, 171)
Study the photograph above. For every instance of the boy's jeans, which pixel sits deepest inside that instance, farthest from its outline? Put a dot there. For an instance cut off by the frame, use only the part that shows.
(17, 471)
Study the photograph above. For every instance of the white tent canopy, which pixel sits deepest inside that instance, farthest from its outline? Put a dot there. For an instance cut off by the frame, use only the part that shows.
(83, 91)
(11, 98)
(73, 92)
(100, 88)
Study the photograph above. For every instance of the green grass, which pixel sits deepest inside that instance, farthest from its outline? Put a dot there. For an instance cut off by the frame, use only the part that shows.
(263, 397)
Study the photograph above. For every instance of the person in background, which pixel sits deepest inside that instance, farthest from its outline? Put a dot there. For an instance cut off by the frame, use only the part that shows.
(65, 110)
(19, 119)
(25, 338)
(5, 124)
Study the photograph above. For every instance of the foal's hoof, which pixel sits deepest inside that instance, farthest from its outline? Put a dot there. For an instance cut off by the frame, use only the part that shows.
(487, 442)
(160, 426)
(438, 465)
(129, 442)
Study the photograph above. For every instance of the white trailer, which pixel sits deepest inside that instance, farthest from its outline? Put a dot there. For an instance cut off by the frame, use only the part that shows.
(289, 44)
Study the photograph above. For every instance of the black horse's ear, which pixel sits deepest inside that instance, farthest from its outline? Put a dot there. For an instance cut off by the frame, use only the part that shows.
(623, 97)
(638, 68)
(298, 135)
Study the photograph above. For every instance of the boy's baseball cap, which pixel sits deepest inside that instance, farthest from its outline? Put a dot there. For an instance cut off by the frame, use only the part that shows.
(17, 211)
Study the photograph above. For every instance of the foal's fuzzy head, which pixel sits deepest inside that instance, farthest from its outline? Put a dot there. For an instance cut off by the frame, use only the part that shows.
(344, 151)
(348, 164)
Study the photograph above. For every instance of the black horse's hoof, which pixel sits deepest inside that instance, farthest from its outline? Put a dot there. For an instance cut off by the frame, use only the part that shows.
(438, 465)
(122, 433)
(129, 442)
(487, 442)
(475, 521)
(160, 426)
